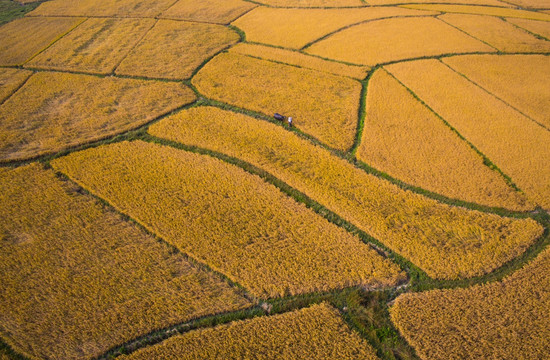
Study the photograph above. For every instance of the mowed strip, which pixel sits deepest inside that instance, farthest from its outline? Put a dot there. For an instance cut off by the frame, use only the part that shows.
(446, 242)
(406, 140)
(77, 280)
(54, 111)
(391, 40)
(316, 332)
(322, 105)
(96, 46)
(235, 222)
(116, 8)
(10, 80)
(513, 142)
(211, 11)
(502, 320)
(481, 10)
(174, 49)
(23, 38)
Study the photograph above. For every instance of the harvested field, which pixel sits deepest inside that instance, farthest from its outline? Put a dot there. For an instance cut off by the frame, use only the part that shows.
(213, 11)
(11, 80)
(321, 104)
(266, 242)
(406, 140)
(540, 28)
(502, 320)
(55, 111)
(396, 39)
(295, 28)
(23, 38)
(97, 46)
(76, 280)
(174, 49)
(446, 242)
(516, 144)
(116, 8)
(481, 10)
(285, 336)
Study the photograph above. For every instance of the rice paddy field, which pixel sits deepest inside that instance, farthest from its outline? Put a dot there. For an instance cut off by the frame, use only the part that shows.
(275, 179)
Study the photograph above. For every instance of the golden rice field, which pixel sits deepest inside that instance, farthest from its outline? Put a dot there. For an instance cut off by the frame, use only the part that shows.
(152, 206)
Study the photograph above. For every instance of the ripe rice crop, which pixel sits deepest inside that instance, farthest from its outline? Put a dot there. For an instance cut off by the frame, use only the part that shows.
(323, 105)
(406, 140)
(295, 28)
(395, 39)
(134, 8)
(77, 280)
(513, 142)
(317, 332)
(23, 38)
(497, 33)
(535, 4)
(96, 46)
(468, 2)
(540, 28)
(213, 11)
(233, 221)
(173, 49)
(313, 3)
(300, 60)
(520, 80)
(10, 80)
(447, 242)
(502, 320)
(481, 10)
(54, 111)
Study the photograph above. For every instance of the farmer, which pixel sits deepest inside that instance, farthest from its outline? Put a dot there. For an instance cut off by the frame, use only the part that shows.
(289, 121)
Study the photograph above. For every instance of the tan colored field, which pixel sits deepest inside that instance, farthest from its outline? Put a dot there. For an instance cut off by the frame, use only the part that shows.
(214, 11)
(11, 80)
(313, 3)
(96, 46)
(266, 242)
(520, 80)
(317, 332)
(396, 39)
(406, 140)
(540, 4)
(301, 60)
(516, 144)
(55, 111)
(481, 10)
(295, 28)
(540, 28)
(498, 33)
(174, 49)
(466, 2)
(121, 8)
(77, 280)
(446, 242)
(321, 104)
(502, 320)
(21, 39)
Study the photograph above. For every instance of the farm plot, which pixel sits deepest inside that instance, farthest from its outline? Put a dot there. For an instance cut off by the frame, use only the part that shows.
(23, 38)
(295, 28)
(396, 39)
(467, 2)
(120, 8)
(96, 46)
(481, 10)
(317, 332)
(534, 4)
(10, 80)
(77, 280)
(516, 144)
(174, 49)
(211, 11)
(502, 320)
(323, 105)
(406, 140)
(231, 220)
(539, 28)
(498, 33)
(313, 3)
(446, 242)
(55, 111)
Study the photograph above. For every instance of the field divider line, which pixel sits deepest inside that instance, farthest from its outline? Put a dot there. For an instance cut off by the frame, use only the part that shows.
(158, 16)
(361, 114)
(133, 47)
(470, 35)
(16, 89)
(538, 36)
(240, 16)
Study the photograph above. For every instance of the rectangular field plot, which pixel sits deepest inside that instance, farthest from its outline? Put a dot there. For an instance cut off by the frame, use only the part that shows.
(10, 80)
(446, 242)
(77, 280)
(317, 332)
(118, 8)
(235, 222)
(96, 46)
(212, 11)
(174, 49)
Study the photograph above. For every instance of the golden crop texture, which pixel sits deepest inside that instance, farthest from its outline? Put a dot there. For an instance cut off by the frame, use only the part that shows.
(406, 140)
(502, 320)
(540, 28)
(231, 220)
(467, 2)
(122, 8)
(174, 49)
(396, 39)
(11, 80)
(447, 242)
(535, 4)
(97, 46)
(23, 38)
(313, 3)
(516, 144)
(317, 332)
(212, 11)
(77, 280)
(55, 111)
(322, 105)
(481, 10)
